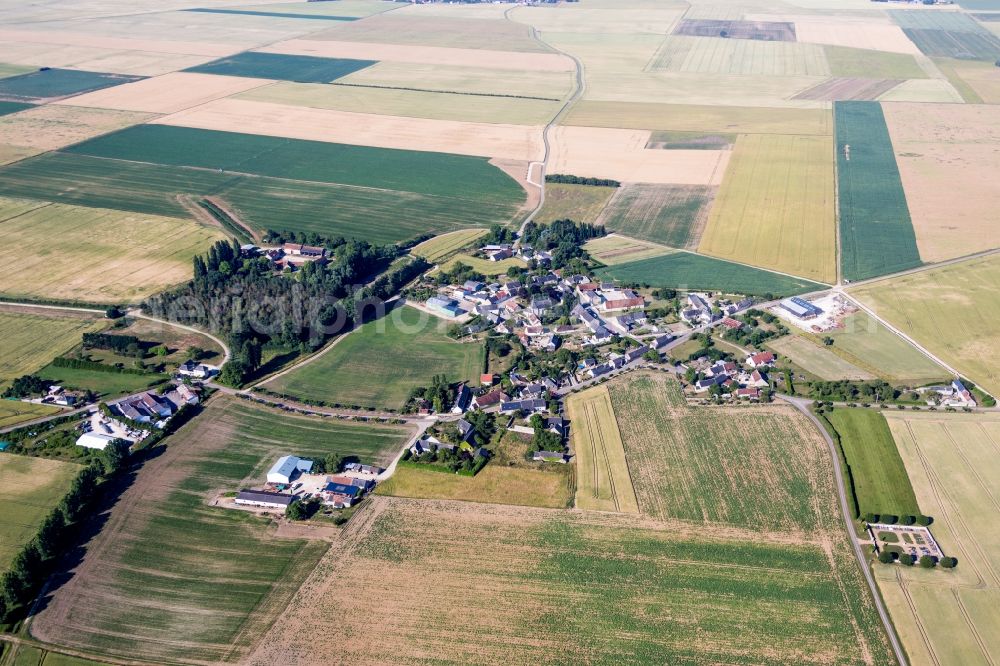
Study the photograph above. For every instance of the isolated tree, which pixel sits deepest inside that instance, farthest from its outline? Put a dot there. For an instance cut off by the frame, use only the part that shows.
(949, 562)
(927, 562)
(885, 557)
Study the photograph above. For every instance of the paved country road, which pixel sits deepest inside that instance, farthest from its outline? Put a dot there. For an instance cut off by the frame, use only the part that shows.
(802, 404)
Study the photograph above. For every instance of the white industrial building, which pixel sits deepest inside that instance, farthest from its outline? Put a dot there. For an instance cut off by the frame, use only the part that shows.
(95, 440)
(287, 468)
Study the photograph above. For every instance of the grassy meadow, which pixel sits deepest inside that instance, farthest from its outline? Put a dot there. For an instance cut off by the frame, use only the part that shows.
(603, 480)
(217, 577)
(441, 247)
(612, 250)
(13, 412)
(673, 215)
(775, 208)
(580, 203)
(378, 364)
(95, 255)
(485, 266)
(950, 616)
(880, 484)
(694, 271)
(868, 64)
(30, 341)
(876, 233)
(816, 359)
(29, 489)
(106, 384)
(961, 299)
(509, 478)
(585, 580)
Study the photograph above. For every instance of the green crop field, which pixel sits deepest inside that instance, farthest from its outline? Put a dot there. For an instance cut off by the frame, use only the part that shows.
(580, 203)
(577, 587)
(438, 174)
(775, 208)
(876, 233)
(378, 365)
(29, 489)
(30, 340)
(294, 15)
(950, 617)
(948, 34)
(868, 64)
(24, 655)
(674, 215)
(305, 69)
(374, 214)
(878, 477)
(694, 271)
(57, 83)
(13, 412)
(869, 345)
(7, 108)
(961, 299)
(217, 577)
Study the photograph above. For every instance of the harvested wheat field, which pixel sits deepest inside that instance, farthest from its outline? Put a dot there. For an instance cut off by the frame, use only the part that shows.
(580, 203)
(169, 93)
(855, 34)
(950, 616)
(32, 339)
(464, 79)
(622, 155)
(517, 142)
(94, 254)
(93, 41)
(602, 475)
(674, 215)
(617, 249)
(426, 55)
(954, 149)
(578, 587)
(775, 208)
(53, 126)
(978, 82)
(700, 118)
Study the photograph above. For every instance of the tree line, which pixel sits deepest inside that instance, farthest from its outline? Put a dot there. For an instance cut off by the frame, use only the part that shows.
(580, 180)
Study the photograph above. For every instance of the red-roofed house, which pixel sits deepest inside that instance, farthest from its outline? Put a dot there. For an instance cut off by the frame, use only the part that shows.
(731, 323)
(762, 359)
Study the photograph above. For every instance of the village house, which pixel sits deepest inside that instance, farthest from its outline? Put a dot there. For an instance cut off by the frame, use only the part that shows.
(620, 300)
(551, 456)
(490, 399)
(197, 370)
(463, 397)
(761, 360)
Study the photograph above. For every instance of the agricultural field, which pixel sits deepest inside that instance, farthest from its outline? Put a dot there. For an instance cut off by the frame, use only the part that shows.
(29, 489)
(24, 655)
(54, 126)
(869, 345)
(816, 359)
(950, 616)
(13, 412)
(7, 108)
(408, 103)
(768, 31)
(977, 82)
(411, 28)
(739, 57)
(53, 84)
(603, 481)
(870, 64)
(463, 79)
(378, 364)
(674, 215)
(622, 155)
(878, 477)
(169, 93)
(484, 266)
(673, 140)
(700, 118)
(838, 89)
(961, 299)
(706, 464)
(853, 34)
(580, 203)
(613, 249)
(305, 69)
(509, 478)
(876, 233)
(32, 340)
(442, 246)
(92, 254)
(104, 384)
(775, 208)
(219, 577)
(955, 149)
(948, 34)
(693, 271)
(588, 578)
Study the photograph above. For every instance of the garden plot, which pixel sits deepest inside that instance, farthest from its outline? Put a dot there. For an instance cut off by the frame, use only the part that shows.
(169, 93)
(954, 149)
(622, 155)
(517, 142)
(426, 55)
